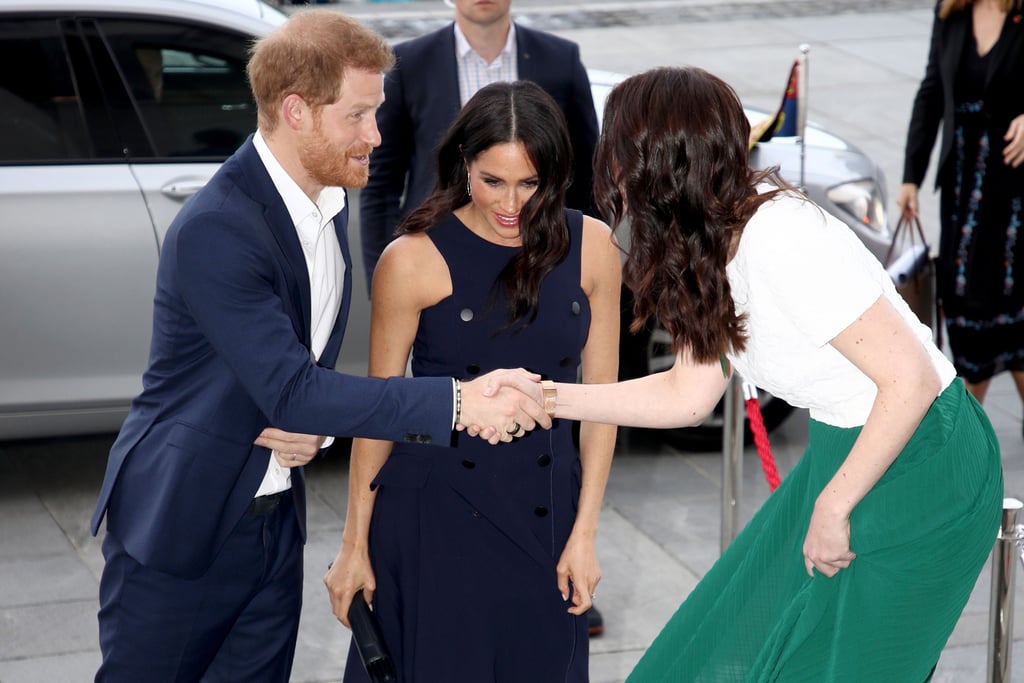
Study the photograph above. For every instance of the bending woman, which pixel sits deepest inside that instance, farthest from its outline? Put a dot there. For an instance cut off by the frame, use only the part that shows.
(858, 566)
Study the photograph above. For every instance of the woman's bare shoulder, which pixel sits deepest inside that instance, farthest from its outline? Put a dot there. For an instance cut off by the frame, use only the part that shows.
(413, 265)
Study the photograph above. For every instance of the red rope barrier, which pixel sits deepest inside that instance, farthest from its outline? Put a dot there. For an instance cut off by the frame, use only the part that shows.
(764, 449)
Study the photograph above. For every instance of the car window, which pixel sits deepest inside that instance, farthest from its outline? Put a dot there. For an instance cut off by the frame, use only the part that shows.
(188, 85)
(41, 109)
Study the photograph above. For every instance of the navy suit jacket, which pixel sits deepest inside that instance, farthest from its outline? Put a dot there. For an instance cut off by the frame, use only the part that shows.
(422, 100)
(230, 355)
(934, 103)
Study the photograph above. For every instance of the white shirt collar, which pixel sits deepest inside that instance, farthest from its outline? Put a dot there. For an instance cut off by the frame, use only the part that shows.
(463, 48)
(330, 202)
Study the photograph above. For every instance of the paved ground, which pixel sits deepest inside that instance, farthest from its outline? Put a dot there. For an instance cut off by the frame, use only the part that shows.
(660, 523)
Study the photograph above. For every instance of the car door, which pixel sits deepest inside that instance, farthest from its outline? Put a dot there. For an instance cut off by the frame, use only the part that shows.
(77, 247)
(188, 84)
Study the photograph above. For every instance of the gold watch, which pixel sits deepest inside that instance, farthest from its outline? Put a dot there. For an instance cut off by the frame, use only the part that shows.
(547, 388)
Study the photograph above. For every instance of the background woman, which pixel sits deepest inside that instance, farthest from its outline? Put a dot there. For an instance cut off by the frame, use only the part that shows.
(858, 566)
(972, 86)
(482, 564)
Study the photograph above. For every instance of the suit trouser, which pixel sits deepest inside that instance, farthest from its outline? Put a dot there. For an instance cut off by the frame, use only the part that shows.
(237, 622)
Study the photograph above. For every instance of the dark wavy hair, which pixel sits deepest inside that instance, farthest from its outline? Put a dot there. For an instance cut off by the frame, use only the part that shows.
(673, 159)
(502, 113)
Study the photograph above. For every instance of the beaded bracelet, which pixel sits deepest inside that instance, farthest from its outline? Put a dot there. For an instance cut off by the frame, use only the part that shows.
(458, 401)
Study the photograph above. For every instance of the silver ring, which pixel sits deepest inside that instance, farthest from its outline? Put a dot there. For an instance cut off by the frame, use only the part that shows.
(514, 429)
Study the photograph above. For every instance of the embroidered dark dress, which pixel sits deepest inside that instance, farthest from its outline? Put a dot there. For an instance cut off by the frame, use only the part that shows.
(980, 250)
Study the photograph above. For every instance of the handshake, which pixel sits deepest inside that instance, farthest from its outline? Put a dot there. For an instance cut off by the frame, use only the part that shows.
(503, 405)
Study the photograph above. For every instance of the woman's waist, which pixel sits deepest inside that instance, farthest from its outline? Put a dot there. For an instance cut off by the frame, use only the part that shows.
(540, 452)
(949, 413)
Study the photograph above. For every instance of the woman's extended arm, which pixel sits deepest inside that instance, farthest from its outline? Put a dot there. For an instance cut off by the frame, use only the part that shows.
(410, 276)
(601, 280)
(882, 346)
(682, 396)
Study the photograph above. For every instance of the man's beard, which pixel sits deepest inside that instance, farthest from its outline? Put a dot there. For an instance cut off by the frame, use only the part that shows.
(329, 165)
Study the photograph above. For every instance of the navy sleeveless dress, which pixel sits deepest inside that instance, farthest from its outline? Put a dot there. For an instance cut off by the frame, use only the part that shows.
(464, 540)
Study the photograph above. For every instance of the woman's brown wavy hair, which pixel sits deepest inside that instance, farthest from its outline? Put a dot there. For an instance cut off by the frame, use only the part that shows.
(673, 159)
(501, 113)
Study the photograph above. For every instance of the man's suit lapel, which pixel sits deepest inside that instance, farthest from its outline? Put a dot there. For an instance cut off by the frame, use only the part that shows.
(442, 72)
(279, 222)
(330, 352)
(526, 65)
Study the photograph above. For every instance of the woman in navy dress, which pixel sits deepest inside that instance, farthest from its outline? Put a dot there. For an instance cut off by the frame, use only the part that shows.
(480, 560)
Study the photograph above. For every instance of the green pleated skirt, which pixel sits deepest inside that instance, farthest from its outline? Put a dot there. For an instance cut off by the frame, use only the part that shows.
(921, 535)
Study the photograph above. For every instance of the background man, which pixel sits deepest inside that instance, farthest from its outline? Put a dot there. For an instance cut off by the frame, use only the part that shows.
(204, 495)
(434, 76)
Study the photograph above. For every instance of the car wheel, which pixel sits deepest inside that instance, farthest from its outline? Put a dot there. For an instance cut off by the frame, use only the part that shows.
(649, 351)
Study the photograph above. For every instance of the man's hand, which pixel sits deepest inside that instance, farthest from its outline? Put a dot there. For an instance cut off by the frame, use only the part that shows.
(502, 405)
(290, 450)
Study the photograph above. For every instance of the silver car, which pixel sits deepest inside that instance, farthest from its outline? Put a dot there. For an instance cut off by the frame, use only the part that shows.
(115, 112)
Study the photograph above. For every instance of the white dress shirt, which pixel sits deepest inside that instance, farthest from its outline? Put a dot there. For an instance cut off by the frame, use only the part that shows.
(314, 226)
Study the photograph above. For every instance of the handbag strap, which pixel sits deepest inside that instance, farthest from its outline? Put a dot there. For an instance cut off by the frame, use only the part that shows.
(903, 226)
(913, 226)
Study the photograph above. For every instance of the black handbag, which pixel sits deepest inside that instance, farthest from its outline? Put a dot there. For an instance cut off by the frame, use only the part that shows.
(912, 270)
(369, 641)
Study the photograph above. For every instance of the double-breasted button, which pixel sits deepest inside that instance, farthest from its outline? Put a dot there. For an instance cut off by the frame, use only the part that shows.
(544, 460)
(476, 513)
(466, 314)
(540, 511)
(468, 464)
(473, 369)
(575, 307)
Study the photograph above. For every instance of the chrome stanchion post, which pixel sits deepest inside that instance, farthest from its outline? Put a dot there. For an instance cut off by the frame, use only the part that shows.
(1000, 613)
(732, 460)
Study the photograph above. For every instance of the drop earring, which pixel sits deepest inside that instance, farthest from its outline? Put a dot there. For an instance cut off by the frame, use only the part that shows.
(469, 189)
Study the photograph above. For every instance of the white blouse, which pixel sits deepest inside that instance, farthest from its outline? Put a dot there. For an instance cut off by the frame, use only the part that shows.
(801, 277)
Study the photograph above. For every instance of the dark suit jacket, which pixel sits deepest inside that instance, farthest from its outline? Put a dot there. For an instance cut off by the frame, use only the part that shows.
(422, 100)
(230, 355)
(1003, 95)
